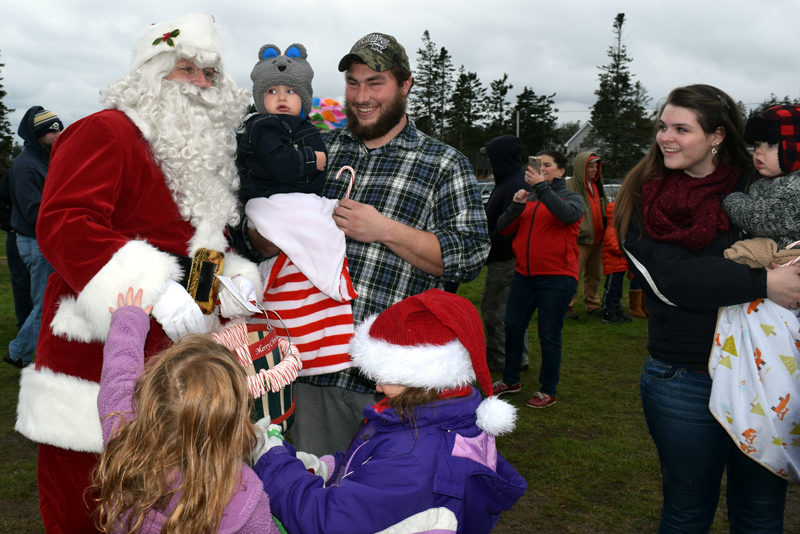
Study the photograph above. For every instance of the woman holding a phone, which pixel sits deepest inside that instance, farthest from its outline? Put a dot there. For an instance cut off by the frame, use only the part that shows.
(544, 224)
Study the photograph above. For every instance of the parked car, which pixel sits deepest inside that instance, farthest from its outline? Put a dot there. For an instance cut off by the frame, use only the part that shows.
(485, 187)
(611, 191)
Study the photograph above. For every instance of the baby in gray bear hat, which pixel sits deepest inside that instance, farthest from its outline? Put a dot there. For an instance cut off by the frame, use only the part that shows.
(281, 158)
(280, 151)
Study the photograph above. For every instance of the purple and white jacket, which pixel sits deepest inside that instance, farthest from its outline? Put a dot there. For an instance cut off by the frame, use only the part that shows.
(442, 475)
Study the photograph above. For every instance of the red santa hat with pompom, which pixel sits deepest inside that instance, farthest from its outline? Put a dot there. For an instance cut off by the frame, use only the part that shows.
(433, 340)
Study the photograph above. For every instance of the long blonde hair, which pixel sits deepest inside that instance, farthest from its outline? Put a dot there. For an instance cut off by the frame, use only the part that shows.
(714, 109)
(191, 432)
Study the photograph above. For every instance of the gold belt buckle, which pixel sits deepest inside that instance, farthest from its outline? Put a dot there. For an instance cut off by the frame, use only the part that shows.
(202, 283)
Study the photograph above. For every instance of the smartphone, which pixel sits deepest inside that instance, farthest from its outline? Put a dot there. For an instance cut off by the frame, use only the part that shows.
(535, 162)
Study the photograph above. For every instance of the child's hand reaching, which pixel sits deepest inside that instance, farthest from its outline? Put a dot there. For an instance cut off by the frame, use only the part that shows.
(129, 299)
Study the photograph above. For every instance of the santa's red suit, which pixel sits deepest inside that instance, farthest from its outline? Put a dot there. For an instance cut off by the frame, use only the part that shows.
(107, 221)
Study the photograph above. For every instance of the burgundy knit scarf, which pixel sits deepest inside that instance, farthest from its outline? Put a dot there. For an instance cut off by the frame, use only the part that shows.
(686, 211)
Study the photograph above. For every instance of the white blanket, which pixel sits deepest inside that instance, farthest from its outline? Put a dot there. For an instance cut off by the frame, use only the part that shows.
(302, 226)
(756, 390)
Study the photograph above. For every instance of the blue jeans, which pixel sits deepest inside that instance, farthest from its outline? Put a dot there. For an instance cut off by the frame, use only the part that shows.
(551, 295)
(23, 346)
(694, 450)
(612, 296)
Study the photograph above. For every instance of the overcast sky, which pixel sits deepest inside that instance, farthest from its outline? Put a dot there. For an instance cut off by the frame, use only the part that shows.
(60, 53)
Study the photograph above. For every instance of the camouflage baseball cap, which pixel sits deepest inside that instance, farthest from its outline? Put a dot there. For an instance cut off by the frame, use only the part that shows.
(378, 51)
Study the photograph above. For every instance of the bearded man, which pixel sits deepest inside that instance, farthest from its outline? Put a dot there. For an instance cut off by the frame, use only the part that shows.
(414, 220)
(138, 195)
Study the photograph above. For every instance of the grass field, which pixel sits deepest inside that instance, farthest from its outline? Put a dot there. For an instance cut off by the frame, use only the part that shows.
(589, 461)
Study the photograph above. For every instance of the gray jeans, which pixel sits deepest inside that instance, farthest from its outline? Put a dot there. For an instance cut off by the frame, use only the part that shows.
(493, 311)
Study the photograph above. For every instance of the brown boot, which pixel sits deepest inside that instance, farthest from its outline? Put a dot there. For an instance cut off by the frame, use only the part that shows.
(636, 303)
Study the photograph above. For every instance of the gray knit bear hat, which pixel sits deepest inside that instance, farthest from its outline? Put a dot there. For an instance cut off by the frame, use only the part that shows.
(290, 69)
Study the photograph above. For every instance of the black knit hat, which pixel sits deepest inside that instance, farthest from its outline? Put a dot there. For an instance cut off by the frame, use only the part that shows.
(779, 125)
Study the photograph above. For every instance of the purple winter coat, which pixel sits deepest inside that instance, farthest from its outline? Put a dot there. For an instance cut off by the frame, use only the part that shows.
(248, 511)
(442, 475)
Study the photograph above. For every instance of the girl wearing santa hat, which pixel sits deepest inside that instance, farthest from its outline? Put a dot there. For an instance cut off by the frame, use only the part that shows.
(425, 459)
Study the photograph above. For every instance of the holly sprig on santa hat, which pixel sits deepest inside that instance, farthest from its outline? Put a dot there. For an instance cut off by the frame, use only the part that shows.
(167, 38)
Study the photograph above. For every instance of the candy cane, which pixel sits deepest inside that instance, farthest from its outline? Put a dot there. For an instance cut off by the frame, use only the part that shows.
(792, 262)
(279, 376)
(352, 177)
(235, 338)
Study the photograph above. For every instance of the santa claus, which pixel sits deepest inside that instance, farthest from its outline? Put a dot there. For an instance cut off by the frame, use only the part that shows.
(138, 195)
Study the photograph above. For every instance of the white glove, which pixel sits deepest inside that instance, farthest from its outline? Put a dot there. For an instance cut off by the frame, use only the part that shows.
(268, 435)
(314, 464)
(229, 305)
(178, 313)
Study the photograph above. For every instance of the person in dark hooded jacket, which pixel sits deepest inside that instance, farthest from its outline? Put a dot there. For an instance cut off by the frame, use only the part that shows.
(504, 153)
(20, 278)
(39, 129)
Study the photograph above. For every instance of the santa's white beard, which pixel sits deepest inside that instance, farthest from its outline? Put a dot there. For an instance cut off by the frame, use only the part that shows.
(191, 132)
(193, 140)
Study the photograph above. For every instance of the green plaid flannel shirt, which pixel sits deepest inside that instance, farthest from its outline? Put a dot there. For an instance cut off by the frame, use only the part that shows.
(420, 182)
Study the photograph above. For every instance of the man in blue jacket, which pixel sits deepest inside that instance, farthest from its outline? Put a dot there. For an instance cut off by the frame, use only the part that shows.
(39, 129)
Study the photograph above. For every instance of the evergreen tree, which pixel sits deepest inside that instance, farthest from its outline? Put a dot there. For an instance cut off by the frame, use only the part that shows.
(424, 94)
(498, 108)
(444, 86)
(773, 100)
(6, 135)
(622, 130)
(433, 81)
(537, 120)
(466, 114)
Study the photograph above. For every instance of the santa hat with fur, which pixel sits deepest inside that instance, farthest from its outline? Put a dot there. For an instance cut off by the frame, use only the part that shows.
(433, 340)
(185, 36)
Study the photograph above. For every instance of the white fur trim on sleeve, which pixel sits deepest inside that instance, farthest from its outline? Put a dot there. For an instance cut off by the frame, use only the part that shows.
(496, 416)
(237, 265)
(59, 410)
(137, 264)
(426, 366)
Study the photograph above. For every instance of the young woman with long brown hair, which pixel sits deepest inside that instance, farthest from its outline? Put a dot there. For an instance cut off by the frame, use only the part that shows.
(670, 220)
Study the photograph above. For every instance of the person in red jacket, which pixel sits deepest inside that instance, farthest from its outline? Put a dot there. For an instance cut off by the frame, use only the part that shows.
(614, 267)
(545, 228)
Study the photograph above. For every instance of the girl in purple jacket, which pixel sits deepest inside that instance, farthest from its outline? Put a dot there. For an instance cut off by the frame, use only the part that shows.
(425, 459)
(176, 431)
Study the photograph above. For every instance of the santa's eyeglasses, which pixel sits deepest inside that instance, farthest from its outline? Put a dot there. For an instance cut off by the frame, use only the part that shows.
(191, 71)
